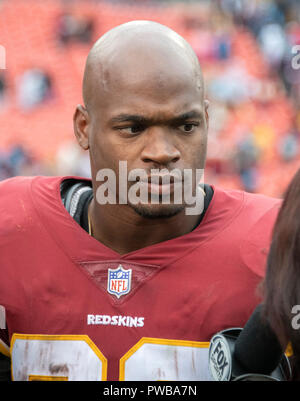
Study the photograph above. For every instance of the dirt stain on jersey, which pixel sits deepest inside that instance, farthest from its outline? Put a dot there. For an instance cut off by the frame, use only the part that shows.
(59, 368)
(176, 363)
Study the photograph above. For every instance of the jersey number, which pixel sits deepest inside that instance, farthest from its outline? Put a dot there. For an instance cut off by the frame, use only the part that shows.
(76, 357)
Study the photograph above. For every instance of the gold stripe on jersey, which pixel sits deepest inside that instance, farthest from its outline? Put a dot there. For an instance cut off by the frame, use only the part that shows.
(39, 378)
(289, 350)
(4, 349)
(160, 341)
(53, 337)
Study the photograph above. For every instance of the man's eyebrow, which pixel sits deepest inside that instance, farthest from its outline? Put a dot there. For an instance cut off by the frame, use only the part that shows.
(187, 116)
(146, 120)
(129, 117)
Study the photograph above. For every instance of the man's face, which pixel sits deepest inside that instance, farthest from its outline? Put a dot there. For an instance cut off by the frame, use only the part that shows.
(152, 117)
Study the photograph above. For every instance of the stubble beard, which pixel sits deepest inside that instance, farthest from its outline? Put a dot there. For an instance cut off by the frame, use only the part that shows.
(157, 211)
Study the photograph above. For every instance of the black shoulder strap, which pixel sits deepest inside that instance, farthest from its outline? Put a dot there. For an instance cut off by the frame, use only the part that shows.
(75, 196)
(209, 193)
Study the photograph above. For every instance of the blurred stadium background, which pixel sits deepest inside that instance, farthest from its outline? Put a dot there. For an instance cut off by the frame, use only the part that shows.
(245, 48)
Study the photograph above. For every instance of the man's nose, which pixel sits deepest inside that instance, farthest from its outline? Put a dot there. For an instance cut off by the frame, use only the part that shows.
(159, 147)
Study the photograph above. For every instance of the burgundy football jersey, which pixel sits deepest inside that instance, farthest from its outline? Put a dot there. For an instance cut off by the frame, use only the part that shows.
(74, 309)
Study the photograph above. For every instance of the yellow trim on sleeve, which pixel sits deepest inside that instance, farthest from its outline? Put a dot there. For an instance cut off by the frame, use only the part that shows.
(289, 350)
(4, 349)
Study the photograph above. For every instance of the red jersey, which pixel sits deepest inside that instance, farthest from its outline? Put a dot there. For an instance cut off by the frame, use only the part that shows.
(77, 310)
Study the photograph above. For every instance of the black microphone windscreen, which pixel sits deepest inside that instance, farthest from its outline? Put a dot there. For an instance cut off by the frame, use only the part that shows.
(257, 348)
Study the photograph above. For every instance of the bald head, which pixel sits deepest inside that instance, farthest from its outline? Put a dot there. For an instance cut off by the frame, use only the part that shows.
(144, 105)
(138, 50)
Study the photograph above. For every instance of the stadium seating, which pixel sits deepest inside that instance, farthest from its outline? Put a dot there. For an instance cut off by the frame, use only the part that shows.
(28, 30)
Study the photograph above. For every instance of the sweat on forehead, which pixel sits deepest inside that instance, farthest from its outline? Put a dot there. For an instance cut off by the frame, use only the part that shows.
(138, 48)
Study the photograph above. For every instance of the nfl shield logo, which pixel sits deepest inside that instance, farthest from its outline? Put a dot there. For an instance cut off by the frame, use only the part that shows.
(119, 281)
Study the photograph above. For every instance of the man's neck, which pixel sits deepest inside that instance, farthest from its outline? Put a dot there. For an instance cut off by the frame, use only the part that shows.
(123, 230)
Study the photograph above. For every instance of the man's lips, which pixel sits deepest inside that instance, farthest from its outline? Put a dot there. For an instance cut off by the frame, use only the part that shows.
(161, 180)
(160, 184)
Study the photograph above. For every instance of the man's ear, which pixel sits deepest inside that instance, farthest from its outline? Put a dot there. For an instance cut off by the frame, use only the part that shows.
(206, 106)
(81, 122)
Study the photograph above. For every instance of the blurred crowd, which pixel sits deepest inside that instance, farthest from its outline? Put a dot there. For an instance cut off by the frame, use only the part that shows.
(246, 51)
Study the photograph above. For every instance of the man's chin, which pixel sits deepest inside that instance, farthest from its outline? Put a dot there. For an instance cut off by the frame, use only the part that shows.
(157, 211)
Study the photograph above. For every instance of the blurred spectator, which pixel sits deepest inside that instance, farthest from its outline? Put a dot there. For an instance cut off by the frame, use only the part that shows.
(18, 161)
(273, 43)
(253, 14)
(288, 146)
(2, 88)
(6, 170)
(223, 46)
(246, 159)
(34, 87)
(17, 158)
(71, 160)
(233, 84)
(73, 28)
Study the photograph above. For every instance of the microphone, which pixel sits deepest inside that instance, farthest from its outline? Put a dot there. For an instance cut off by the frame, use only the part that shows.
(249, 354)
(257, 348)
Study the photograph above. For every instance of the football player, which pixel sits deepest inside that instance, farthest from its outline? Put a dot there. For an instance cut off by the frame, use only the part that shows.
(97, 287)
